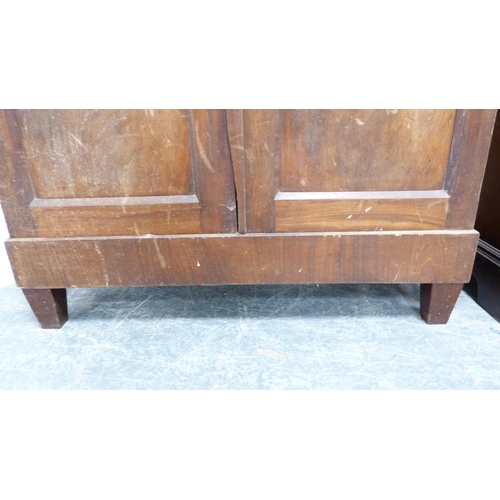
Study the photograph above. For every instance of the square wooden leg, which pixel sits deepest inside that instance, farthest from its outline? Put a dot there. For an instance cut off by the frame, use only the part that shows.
(49, 305)
(437, 300)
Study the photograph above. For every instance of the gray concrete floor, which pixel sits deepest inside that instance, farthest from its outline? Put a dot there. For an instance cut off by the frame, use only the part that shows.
(248, 337)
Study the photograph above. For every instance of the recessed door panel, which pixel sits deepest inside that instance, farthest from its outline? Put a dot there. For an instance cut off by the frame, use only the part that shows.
(106, 153)
(126, 172)
(341, 170)
(364, 150)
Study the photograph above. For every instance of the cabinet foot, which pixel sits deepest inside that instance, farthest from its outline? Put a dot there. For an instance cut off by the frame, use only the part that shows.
(49, 305)
(437, 300)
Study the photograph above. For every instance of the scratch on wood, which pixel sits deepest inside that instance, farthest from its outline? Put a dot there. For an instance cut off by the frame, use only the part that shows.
(54, 253)
(268, 150)
(124, 201)
(430, 205)
(332, 156)
(77, 140)
(160, 256)
(203, 153)
(101, 258)
(12, 195)
(131, 161)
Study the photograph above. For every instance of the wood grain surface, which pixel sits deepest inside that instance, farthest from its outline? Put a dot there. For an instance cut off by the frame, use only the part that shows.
(96, 153)
(368, 257)
(364, 150)
(116, 172)
(282, 153)
(437, 301)
(465, 171)
(16, 189)
(361, 211)
(49, 305)
(116, 216)
(213, 171)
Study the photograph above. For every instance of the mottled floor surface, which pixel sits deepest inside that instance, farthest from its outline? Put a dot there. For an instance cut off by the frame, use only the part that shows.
(248, 337)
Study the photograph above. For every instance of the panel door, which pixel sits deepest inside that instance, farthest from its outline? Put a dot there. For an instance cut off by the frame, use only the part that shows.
(117, 172)
(354, 170)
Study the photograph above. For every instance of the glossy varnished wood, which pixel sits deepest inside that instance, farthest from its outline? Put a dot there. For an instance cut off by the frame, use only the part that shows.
(368, 257)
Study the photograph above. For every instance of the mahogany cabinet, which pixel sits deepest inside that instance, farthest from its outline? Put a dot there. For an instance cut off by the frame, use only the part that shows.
(107, 198)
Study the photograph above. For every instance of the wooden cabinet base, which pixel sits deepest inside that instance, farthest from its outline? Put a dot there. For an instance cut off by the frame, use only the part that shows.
(437, 300)
(44, 266)
(49, 305)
